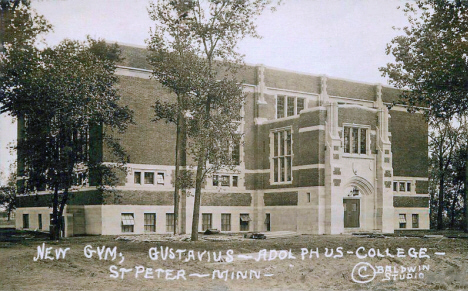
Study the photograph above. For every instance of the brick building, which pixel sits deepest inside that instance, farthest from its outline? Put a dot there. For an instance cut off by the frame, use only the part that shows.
(319, 155)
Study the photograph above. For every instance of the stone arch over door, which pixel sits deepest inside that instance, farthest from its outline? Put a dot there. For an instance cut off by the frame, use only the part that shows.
(359, 211)
(362, 184)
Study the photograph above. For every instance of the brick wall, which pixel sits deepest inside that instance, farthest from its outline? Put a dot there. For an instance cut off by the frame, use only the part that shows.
(410, 202)
(92, 197)
(280, 199)
(390, 94)
(357, 116)
(422, 187)
(138, 197)
(226, 199)
(409, 144)
(146, 142)
(350, 89)
(318, 117)
(292, 81)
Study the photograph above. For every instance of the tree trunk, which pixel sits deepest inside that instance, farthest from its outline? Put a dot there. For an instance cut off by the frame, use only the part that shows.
(54, 231)
(177, 174)
(466, 193)
(196, 203)
(440, 212)
(183, 166)
(452, 212)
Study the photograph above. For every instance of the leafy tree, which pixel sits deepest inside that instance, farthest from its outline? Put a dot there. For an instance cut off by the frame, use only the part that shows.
(8, 195)
(63, 97)
(194, 54)
(443, 142)
(431, 61)
(7, 13)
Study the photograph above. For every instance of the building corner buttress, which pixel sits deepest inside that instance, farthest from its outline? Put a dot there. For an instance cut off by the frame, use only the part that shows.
(384, 170)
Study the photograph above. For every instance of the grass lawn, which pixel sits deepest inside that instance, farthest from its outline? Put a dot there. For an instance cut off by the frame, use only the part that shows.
(308, 272)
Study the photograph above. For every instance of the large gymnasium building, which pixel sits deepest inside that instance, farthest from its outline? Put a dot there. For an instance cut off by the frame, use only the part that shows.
(319, 155)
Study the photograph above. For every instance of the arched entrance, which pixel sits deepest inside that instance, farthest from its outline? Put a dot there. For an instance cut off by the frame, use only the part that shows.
(356, 191)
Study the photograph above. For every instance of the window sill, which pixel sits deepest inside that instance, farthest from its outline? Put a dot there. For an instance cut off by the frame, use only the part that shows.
(358, 156)
(410, 194)
(281, 183)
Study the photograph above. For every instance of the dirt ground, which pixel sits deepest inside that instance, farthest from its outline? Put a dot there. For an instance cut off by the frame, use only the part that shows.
(301, 271)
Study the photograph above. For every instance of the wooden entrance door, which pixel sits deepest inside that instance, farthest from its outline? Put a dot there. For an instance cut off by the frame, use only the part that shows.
(351, 212)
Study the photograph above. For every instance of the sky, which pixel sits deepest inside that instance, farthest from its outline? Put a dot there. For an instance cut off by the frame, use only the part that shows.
(339, 38)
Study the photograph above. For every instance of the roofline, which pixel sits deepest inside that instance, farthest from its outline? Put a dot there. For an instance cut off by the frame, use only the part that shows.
(278, 69)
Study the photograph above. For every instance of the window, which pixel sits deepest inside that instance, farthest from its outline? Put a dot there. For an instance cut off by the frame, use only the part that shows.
(137, 177)
(267, 222)
(415, 221)
(170, 222)
(402, 220)
(206, 221)
(128, 222)
(234, 181)
(280, 107)
(160, 178)
(25, 220)
(150, 222)
(225, 180)
(39, 220)
(308, 197)
(290, 111)
(244, 222)
(300, 104)
(288, 106)
(225, 222)
(79, 179)
(282, 156)
(149, 178)
(402, 186)
(235, 154)
(355, 140)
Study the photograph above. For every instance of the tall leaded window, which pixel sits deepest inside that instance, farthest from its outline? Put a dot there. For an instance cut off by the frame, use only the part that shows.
(280, 107)
(355, 140)
(282, 156)
(235, 154)
(291, 106)
(288, 106)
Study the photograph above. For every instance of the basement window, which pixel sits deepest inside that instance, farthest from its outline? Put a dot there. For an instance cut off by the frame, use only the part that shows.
(244, 222)
(402, 220)
(25, 220)
(415, 222)
(128, 222)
